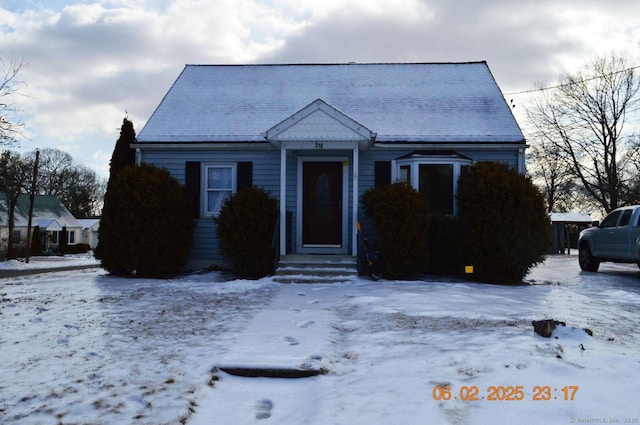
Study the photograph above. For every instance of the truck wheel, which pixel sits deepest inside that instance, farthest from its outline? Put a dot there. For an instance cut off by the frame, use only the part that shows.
(588, 262)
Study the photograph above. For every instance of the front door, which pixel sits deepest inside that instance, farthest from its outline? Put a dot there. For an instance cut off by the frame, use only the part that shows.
(322, 198)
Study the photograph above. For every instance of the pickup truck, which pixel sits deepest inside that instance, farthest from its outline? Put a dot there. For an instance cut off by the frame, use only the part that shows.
(616, 239)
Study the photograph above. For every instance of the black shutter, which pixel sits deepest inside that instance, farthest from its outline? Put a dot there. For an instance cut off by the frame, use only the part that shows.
(245, 175)
(192, 182)
(382, 174)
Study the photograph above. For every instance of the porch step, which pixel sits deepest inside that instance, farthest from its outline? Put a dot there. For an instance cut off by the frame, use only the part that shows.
(316, 269)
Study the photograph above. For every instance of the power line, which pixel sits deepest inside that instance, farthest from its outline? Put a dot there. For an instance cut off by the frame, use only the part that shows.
(541, 89)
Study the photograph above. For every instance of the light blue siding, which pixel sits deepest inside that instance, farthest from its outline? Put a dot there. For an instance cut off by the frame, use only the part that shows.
(368, 159)
(266, 174)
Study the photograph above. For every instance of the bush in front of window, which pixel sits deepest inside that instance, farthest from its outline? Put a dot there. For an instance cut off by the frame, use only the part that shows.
(507, 222)
(399, 214)
(79, 248)
(448, 243)
(245, 226)
(146, 223)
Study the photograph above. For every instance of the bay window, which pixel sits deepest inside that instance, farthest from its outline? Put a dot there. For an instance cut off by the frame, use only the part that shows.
(435, 175)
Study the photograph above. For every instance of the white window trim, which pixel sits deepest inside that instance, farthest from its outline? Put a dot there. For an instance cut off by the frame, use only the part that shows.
(203, 184)
(414, 164)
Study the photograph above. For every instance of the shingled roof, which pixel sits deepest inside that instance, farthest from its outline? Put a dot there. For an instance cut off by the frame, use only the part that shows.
(44, 208)
(412, 102)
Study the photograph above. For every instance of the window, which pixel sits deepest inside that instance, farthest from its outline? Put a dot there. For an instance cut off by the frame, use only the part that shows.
(55, 237)
(219, 183)
(405, 173)
(71, 237)
(435, 175)
(626, 217)
(611, 219)
(435, 184)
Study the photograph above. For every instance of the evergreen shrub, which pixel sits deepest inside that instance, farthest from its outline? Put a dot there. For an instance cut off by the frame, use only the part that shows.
(146, 224)
(448, 245)
(79, 248)
(508, 227)
(63, 241)
(399, 215)
(36, 241)
(245, 227)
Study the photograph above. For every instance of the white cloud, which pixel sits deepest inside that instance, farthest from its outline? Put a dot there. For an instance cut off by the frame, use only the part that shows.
(86, 63)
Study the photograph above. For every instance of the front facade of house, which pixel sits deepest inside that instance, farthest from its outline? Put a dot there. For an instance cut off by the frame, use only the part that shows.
(48, 214)
(318, 136)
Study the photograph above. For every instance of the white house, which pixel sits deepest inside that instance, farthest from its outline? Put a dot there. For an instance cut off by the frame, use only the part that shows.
(90, 227)
(48, 213)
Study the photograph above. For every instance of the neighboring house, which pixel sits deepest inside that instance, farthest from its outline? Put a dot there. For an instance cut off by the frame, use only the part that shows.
(48, 214)
(90, 227)
(315, 135)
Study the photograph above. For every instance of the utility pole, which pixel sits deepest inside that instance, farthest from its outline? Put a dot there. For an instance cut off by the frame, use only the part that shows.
(31, 200)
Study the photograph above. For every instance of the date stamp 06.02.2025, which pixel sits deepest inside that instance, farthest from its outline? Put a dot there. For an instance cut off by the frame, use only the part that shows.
(505, 393)
(518, 393)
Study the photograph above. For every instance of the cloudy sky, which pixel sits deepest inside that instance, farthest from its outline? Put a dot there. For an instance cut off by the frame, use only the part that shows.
(87, 63)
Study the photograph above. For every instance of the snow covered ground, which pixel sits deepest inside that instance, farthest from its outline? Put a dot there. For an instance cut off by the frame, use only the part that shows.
(81, 347)
(46, 262)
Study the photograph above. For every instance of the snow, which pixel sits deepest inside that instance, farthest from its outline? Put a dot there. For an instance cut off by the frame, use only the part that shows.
(570, 218)
(48, 262)
(407, 102)
(85, 347)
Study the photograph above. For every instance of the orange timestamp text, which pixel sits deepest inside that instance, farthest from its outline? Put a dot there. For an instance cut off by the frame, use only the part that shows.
(505, 393)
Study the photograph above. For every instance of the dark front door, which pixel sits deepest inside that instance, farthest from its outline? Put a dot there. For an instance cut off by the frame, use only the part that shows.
(322, 203)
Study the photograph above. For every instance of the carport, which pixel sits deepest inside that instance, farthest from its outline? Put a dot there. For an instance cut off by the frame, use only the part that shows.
(565, 229)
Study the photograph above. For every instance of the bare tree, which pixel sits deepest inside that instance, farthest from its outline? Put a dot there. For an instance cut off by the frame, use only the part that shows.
(76, 186)
(10, 126)
(585, 119)
(55, 170)
(85, 193)
(551, 172)
(15, 174)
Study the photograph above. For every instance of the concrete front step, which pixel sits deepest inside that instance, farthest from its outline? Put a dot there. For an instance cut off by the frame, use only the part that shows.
(316, 269)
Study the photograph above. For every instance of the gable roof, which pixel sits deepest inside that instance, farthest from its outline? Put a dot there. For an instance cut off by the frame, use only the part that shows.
(48, 224)
(319, 121)
(45, 209)
(412, 102)
(88, 223)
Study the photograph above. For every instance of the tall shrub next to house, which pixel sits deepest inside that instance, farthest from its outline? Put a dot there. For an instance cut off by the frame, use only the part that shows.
(506, 220)
(448, 245)
(147, 223)
(122, 154)
(36, 241)
(245, 226)
(399, 214)
(121, 157)
(63, 242)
